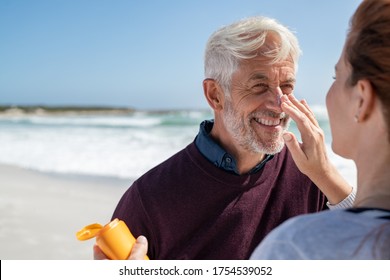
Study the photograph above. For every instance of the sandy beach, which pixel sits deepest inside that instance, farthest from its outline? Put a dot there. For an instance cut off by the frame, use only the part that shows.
(40, 213)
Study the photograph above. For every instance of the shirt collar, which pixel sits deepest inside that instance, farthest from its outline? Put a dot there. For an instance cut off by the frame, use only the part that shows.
(218, 155)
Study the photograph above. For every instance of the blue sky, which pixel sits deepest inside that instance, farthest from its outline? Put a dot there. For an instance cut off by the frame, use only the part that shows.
(146, 54)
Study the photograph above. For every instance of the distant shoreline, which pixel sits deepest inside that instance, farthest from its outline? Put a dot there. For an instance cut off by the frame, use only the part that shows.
(19, 110)
(43, 110)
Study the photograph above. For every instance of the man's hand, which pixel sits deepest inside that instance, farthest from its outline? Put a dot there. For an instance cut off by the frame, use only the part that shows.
(138, 252)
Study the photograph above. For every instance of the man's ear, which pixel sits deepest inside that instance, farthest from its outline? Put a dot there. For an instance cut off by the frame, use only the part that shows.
(214, 94)
(366, 100)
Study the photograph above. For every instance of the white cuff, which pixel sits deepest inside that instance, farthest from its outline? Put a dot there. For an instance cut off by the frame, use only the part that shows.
(345, 203)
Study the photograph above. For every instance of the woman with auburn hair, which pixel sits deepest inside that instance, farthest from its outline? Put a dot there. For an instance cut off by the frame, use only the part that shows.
(358, 104)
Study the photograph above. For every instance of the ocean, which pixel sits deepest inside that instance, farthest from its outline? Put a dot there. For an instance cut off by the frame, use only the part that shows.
(120, 146)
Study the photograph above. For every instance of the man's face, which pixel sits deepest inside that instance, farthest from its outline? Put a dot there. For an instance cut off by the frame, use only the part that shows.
(252, 114)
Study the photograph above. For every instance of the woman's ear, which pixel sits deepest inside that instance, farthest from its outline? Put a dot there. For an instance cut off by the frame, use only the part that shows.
(366, 100)
(214, 94)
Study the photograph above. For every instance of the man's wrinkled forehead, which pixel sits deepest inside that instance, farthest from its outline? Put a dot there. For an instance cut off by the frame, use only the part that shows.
(266, 62)
(262, 68)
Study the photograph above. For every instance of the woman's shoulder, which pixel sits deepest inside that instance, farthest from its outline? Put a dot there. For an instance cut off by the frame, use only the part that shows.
(320, 235)
(334, 220)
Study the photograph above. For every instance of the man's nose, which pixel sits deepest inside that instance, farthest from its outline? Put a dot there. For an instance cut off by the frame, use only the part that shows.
(275, 96)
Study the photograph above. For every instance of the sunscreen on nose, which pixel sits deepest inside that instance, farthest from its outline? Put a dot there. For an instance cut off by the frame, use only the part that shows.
(114, 239)
(279, 100)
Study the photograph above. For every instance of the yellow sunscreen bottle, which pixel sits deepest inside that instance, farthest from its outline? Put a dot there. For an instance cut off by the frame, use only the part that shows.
(114, 239)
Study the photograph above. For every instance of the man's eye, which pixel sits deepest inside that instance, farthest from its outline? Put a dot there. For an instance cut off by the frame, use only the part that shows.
(260, 87)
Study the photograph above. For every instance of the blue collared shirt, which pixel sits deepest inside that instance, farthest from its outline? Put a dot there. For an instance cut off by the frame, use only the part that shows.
(218, 155)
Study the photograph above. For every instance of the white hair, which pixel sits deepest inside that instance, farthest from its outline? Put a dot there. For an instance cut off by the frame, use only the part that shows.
(229, 45)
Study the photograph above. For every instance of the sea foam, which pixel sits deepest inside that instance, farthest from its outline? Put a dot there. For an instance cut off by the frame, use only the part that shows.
(122, 146)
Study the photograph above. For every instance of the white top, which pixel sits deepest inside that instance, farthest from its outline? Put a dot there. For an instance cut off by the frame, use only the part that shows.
(346, 203)
(333, 234)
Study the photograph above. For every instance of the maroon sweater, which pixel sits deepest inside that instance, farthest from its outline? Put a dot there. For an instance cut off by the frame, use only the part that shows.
(190, 209)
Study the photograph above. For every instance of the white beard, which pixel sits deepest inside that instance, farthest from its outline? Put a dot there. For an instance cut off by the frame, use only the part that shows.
(241, 131)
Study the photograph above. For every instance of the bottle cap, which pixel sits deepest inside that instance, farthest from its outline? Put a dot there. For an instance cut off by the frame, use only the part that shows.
(89, 232)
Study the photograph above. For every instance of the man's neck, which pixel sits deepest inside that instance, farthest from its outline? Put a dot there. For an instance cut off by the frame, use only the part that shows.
(245, 160)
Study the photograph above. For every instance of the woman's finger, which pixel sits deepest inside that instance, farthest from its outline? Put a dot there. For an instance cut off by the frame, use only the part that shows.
(303, 107)
(304, 124)
(295, 149)
(310, 132)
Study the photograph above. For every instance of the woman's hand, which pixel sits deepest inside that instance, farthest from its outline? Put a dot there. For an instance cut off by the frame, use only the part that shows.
(311, 155)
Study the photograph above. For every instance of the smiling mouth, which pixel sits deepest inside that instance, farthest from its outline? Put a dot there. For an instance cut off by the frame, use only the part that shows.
(268, 122)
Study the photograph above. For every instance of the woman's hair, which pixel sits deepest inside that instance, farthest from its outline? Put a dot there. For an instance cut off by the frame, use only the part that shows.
(241, 40)
(368, 49)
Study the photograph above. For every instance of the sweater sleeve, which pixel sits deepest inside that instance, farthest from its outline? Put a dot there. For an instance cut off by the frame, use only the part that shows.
(131, 210)
(346, 203)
